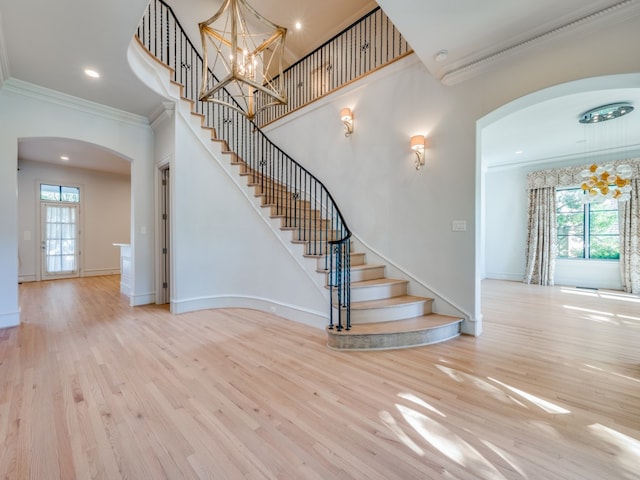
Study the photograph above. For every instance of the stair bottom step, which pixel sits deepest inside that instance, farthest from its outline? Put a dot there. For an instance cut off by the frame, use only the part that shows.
(413, 332)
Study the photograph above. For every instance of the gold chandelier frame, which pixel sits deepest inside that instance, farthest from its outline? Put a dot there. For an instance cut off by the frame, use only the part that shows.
(247, 58)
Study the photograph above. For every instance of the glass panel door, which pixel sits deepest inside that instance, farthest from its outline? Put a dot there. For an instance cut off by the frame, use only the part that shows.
(60, 245)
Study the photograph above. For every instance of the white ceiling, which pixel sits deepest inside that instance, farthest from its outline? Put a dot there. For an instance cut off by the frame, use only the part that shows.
(79, 154)
(558, 135)
(50, 43)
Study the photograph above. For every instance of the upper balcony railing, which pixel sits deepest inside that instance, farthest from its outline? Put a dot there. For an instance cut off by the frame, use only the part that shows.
(365, 46)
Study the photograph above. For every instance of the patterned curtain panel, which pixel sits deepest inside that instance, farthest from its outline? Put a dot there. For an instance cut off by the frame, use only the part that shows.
(572, 176)
(542, 245)
(630, 240)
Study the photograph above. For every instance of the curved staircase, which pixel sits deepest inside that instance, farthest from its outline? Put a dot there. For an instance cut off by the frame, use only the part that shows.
(383, 314)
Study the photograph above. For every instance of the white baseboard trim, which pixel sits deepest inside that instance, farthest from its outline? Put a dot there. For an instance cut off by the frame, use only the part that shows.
(514, 277)
(290, 312)
(472, 327)
(137, 299)
(97, 272)
(11, 319)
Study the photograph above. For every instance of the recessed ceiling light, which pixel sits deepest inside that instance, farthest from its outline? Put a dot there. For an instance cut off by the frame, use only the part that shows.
(298, 25)
(64, 158)
(91, 73)
(519, 152)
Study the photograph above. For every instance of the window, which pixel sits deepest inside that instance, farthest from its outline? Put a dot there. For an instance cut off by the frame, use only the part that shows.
(59, 193)
(586, 230)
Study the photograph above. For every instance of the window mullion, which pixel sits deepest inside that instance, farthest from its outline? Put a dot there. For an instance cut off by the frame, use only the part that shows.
(587, 231)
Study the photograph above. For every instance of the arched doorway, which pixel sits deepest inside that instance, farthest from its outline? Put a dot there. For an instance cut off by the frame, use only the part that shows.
(63, 234)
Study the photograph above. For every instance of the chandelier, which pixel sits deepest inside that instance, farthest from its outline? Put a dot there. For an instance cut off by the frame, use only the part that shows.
(247, 57)
(606, 112)
(604, 182)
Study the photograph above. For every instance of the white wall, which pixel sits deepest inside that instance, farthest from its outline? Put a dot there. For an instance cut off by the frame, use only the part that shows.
(105, 211)
(506, 224)
(404, 214)
(28, 111)
(226, 251)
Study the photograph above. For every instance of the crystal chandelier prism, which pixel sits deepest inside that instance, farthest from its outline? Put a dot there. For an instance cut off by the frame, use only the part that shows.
(247, 56)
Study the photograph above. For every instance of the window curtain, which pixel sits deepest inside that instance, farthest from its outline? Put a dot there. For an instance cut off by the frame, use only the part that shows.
(630, 240)
(542, 236)
(542, 239)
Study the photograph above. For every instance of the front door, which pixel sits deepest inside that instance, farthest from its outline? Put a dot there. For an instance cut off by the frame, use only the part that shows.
(60, 243)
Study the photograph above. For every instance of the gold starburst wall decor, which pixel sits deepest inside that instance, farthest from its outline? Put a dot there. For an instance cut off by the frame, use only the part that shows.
(247, 56)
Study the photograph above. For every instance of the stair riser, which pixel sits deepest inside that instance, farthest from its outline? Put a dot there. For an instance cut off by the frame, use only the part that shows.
(377, 292)
(313, 235)
(356, 259)
(294, 212)
(275, 191)
(315, 248)
(362, 274)
(387, 314)
(304, 224)
(394, 340)
(296, 207)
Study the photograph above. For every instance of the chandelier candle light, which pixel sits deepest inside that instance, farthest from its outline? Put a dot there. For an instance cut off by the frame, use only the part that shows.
(605, 182)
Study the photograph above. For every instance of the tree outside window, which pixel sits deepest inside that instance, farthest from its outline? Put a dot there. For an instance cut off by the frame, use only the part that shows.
(586, 230)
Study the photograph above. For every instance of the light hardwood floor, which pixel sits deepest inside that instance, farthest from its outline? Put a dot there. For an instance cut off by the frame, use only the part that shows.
(92, 388)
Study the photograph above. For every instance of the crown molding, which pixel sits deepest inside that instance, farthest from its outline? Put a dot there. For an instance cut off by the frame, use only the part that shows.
(164, 111)
(602, 17)
(608, 155)
(48, 95)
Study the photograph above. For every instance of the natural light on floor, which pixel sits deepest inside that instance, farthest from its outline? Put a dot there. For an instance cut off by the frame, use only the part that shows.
(609, 295)
(449, 444)
(606, 317)
(541, 403)
(424, 426)
(609, 372)
(492, 390)
(628, 448)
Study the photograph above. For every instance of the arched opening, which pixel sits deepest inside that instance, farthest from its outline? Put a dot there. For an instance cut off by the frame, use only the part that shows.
(540, 131)
(71, 236)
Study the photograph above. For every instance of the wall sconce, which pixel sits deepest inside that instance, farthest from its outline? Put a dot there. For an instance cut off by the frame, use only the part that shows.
(418, 144)
(347, 118)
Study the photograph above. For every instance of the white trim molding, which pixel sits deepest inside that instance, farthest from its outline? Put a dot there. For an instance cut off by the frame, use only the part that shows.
(137, 299)
(290, 312)
(11, 319)
(463, 71)
(43, 94)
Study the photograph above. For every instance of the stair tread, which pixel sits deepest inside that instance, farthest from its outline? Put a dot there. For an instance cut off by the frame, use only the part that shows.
(363, 266)
(432, 320)
(389, 302)
(375, 282)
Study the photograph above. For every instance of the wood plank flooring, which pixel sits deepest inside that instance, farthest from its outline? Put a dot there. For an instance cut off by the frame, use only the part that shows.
(93, 388)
